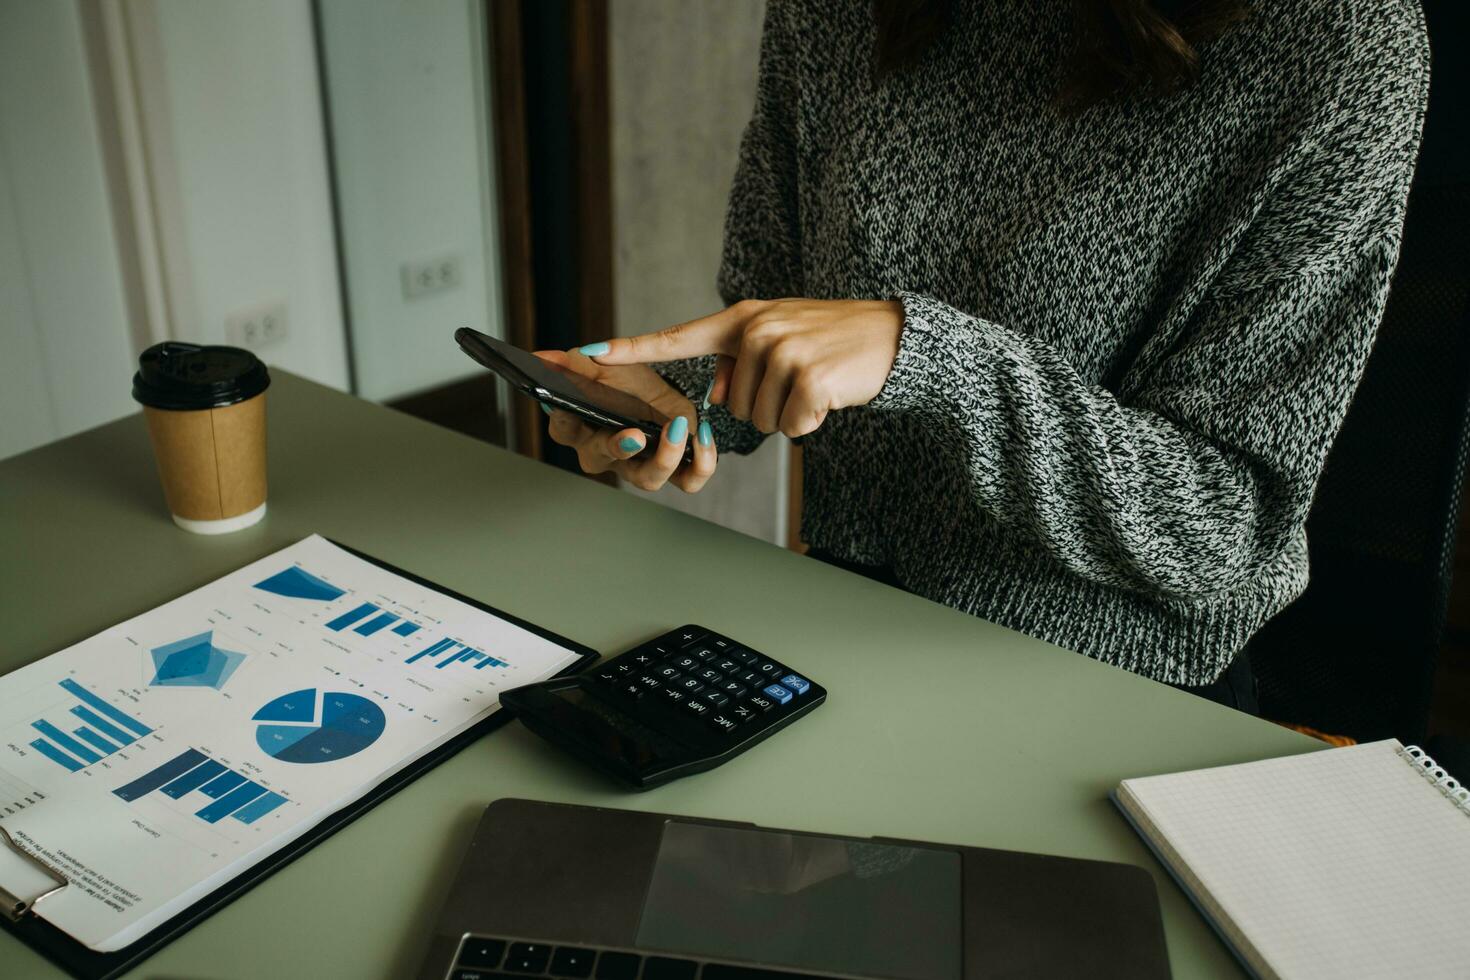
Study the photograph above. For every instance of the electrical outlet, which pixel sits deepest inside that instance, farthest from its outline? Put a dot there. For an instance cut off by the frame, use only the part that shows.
(260, 326)
(430, 276)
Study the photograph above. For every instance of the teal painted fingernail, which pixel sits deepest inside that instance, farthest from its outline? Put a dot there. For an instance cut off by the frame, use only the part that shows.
(705, 435)
(595, 350)
(629, 445)
(678, 429)
(546, 408)
(707, 392)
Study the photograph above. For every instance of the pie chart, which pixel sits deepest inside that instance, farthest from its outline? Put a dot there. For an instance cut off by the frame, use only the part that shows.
(308, 726)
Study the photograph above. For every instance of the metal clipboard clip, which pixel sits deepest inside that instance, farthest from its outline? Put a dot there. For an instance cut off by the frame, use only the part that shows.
(13, 905)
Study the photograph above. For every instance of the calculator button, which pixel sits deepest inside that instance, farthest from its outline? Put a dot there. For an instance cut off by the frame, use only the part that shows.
(569, 961)
(660, 649)
(643, 659)
(744, 656)
(695, 706)
(527, 957)
(631, 690)
(753, 679)
(668, 673)
(770, 669)
(704, 653)
(715, 698)
(690, 685)
(760, 702)
(685, 662)
(649, 682)
(742, 712)
(688, 636)
(733, 688)
(609, 677)
(727, 666)
(623, 667)
(710, 676)
(777, 693)
(673, 696)
(724, 722)
(792, 682)
(481, 952)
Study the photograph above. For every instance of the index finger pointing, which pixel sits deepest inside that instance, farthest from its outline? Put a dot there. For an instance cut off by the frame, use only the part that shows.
(718, 333)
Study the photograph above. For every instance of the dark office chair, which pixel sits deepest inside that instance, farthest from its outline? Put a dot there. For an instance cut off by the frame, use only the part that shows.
(1355, 654)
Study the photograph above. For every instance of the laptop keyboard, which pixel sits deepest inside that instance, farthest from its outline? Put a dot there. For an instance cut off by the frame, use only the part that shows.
(483, 958)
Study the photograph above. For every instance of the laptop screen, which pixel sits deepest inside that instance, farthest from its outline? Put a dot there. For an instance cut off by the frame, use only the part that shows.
(806, 902)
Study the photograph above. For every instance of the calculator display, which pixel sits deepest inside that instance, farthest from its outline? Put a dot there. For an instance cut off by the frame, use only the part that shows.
(807, 902)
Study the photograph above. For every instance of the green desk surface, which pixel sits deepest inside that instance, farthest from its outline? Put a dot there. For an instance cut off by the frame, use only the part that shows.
(939, 726)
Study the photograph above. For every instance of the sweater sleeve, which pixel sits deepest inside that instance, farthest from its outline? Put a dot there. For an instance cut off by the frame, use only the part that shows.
(762, 254)
(1197, 469)
(1184, 489)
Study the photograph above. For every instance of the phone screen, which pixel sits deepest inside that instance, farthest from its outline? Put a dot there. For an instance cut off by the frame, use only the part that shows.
(565, 384)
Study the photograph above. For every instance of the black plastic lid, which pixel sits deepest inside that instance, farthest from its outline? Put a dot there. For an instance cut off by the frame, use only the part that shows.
(185, 377)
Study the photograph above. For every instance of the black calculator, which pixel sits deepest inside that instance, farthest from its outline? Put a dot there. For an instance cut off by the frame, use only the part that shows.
(680, 704)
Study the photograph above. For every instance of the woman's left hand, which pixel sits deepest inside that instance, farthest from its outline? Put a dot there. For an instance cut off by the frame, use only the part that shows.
(784, 364)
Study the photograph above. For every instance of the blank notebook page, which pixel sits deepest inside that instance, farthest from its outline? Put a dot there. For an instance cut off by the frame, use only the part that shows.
(1344, 862)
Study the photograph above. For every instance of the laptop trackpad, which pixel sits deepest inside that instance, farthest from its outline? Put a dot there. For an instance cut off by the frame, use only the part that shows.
(815, 903)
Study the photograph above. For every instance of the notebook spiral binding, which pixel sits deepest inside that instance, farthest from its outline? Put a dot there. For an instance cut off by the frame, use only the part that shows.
(1451, 788)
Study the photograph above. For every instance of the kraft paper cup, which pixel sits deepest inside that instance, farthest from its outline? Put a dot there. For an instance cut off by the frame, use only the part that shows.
(205, 408)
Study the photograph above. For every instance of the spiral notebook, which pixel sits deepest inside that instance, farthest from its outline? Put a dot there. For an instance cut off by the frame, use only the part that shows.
(1345, 862)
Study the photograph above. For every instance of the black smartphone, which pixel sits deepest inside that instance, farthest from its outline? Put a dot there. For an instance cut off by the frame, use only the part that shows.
(549, 384)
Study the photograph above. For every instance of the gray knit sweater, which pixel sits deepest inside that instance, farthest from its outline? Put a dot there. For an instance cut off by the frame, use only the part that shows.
(1130, 335)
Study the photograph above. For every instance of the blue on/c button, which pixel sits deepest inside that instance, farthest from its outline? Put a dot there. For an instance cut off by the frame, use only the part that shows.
(777, 693)
(798, 684)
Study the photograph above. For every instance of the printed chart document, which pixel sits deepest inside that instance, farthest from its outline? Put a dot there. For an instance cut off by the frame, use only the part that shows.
(155, 761)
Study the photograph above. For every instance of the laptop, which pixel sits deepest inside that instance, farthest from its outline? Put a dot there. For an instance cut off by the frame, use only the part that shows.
(569, 891)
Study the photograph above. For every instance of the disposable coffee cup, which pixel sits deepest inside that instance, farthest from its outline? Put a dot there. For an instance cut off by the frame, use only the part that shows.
(205, 408)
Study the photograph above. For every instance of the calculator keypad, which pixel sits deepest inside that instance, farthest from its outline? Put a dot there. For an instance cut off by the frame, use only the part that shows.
(693, 676)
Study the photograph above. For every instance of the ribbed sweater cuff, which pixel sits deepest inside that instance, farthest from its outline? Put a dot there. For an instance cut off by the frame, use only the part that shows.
(926, 354)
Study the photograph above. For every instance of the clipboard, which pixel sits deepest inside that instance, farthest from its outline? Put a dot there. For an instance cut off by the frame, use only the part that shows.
(18, 918)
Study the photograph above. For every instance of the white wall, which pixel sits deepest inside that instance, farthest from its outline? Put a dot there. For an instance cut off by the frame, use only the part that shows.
(65, 349)
(405, 83)
(243, 116)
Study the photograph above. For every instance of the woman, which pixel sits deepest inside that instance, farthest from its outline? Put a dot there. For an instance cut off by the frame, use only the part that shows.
(1085, 297)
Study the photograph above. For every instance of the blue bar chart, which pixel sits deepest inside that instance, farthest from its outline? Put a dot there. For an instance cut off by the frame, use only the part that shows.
(376, 624)
(56, 755)
(162, 775)
(191, 771)
(348, 618)
(448, 652)
(367, 619)
(106, 729)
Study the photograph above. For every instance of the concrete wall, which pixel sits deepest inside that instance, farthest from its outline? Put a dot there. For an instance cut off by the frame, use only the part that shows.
(683, 83)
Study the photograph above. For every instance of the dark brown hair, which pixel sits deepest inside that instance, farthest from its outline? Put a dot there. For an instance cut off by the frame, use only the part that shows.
(1121, 45)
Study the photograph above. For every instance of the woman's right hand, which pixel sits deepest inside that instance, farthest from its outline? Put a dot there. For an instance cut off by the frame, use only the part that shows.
(601, 450)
